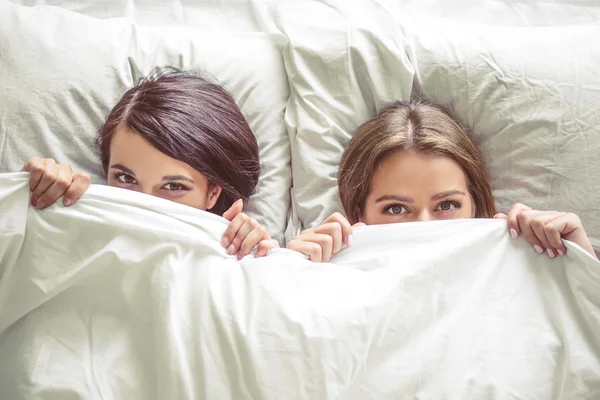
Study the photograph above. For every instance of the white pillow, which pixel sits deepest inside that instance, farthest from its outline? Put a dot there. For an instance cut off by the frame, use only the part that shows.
(343, 64)
(531, 97)
(502, 12)
(224, 15)
(61, 73)
(253, 15)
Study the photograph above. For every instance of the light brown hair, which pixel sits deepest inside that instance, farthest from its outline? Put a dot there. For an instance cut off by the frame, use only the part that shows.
(417, 125)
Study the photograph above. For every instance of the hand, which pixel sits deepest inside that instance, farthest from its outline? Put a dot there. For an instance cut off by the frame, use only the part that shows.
(49, 181)
(322, 242)
(243, 233)
(544, 230)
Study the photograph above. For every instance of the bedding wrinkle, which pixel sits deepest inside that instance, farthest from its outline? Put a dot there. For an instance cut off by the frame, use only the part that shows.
(178, 12)
(491, 62)
(94, 381)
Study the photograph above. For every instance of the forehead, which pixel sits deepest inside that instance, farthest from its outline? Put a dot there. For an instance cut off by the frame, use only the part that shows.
(133, 151)
(124, 139)
(128, 145)
(409, 172)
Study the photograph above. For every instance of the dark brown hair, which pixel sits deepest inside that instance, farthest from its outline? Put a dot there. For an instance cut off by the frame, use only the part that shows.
(192, 120)
(417, 125)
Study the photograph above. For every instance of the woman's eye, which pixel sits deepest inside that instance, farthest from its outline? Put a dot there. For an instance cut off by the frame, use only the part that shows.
(124, 178)
(395, 209)
(448, 206)
(174, 186)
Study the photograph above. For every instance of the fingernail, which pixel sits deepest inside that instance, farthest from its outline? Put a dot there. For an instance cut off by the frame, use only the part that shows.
(40, 205)
(67, 202)
(560, 252)
(230, 250)
(224, 242)
(513, 233)
(550, 253)
(350, 240)
(538, 248)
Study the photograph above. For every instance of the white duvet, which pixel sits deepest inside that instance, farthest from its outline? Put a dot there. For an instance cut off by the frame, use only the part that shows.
(127, 296)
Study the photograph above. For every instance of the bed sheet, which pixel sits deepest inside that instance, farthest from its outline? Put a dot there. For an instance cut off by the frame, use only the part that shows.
(125, 295)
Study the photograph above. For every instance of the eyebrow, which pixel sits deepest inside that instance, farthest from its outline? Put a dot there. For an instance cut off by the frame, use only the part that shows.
(123, 168)
(387, 197)
(406, 199)
(446, 194)
(177, 178)
(164, 178)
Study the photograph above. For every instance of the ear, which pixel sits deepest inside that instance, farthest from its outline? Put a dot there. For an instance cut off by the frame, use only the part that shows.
(212, 196)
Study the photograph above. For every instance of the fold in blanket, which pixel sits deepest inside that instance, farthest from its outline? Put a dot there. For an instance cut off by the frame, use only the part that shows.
(127, 296)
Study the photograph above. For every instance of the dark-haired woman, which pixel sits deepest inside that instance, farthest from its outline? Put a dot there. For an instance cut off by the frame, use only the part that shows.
(176, 136)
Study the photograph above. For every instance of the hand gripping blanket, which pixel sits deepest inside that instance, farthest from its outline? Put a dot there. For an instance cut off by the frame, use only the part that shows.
(127, 296)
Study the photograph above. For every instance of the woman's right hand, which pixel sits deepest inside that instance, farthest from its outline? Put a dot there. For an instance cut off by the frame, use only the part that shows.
(49, 181)
(322, 242)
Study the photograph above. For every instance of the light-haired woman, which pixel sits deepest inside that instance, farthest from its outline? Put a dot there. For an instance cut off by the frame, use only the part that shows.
(415, 162)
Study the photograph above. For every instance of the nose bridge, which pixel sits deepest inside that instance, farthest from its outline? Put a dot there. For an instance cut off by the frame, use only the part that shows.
(424, 215)
(143, 189)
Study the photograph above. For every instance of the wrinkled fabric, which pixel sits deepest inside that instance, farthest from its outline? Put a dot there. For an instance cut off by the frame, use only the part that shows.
(125, 295)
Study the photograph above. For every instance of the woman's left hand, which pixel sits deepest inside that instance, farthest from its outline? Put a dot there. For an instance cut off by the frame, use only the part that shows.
(544, 230)
(244, 233)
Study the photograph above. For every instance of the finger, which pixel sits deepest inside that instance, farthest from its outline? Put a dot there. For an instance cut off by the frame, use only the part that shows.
(524, 219)
(58, 188)
(333, 229)
(252, 239)
(345, 225)
(265, 245)
(566, 226)
(49, 176)
(553, 231)
(512, 223)
(234, 210)
(500, 216)
(233, 228)
(35, 166)
(325, 242)
(246, 228)
(310, 249)
(81, 183)
(538, 225)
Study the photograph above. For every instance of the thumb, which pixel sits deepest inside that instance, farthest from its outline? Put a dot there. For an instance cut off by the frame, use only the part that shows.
(358, 224)
(234, 210)
(500, 216)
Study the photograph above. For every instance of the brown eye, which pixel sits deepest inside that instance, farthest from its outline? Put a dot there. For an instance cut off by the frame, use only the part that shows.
(126, 178)
(174, 186)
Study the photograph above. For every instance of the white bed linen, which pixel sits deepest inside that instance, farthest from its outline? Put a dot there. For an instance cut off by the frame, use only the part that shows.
(128, 296)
